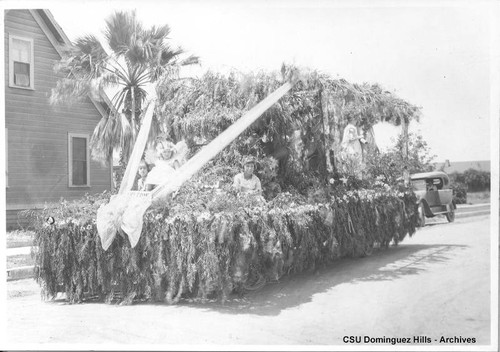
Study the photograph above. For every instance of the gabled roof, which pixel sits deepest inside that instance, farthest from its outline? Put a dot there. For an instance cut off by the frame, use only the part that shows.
(54, 26)
(59, 39)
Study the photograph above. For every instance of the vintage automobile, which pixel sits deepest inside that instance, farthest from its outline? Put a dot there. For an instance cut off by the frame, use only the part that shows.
(435, 197)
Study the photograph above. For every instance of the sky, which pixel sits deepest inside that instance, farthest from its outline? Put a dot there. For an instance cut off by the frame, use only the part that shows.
(436, 55)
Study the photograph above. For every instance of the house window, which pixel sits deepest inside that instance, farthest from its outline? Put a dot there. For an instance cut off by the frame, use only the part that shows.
(21, 63)
(78, 161)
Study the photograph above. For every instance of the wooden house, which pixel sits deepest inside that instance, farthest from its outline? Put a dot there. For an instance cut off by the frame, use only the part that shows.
(47, 147)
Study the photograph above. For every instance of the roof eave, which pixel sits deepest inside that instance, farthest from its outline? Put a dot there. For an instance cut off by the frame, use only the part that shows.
(59, 33)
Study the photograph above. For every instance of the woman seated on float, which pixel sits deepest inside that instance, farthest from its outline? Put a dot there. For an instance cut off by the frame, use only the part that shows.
(165, 163)
(246, 181)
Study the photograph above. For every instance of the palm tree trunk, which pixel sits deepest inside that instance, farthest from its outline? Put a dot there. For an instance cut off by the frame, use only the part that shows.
(132, 122)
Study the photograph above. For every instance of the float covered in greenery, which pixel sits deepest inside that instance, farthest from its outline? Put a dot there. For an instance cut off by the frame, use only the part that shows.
(209, 252)
(208, 241)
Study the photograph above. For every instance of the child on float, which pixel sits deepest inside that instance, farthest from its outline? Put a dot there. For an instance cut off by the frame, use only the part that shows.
(246, 181)
(143, 173)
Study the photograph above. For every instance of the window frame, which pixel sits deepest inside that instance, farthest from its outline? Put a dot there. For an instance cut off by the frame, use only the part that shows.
(11, 62)
(70, 158)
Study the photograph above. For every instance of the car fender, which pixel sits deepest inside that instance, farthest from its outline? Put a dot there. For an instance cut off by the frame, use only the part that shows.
(453, 205)
(427, 209)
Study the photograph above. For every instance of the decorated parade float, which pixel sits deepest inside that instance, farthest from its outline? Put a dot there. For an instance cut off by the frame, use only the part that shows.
(195, 236)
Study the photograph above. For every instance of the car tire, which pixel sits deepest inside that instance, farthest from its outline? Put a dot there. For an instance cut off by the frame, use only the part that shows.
(421, 215)
(450, 216)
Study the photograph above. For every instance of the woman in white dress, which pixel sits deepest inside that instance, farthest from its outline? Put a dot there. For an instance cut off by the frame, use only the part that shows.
(164, 166)
(352, 151)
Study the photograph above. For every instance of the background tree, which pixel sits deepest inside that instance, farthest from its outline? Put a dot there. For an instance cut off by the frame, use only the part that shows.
(475, 180)
(137, 58)
(391, 163)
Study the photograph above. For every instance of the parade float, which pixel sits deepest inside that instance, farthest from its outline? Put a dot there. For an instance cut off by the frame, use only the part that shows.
(199, 238)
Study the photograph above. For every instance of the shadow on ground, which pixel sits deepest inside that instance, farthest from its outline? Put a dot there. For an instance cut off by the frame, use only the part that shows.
(294, 290)
(389, 264)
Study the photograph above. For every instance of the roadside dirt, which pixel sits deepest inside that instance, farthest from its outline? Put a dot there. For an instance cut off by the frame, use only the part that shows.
(427, 286)
(16, 261)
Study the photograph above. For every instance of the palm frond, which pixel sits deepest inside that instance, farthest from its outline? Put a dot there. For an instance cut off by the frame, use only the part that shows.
(138, 57)
(121, 31)
(122, 131)
(190, 60)
(103, 141)
(86, 59)
(157, 34)
(69, 91)
(83, 71)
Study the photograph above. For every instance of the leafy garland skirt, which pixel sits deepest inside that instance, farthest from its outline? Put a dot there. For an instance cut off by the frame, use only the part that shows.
(210, 255)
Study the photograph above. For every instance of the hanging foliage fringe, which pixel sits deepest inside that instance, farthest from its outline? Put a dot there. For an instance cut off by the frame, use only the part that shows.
(205, 254)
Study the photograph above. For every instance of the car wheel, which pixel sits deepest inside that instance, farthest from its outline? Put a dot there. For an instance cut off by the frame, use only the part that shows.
(450, 216)
(421, 216)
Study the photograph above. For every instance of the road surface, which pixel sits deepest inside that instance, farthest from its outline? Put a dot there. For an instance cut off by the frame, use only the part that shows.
(434, 285)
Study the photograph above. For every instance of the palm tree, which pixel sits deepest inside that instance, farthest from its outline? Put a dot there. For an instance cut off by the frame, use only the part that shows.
(138, 58)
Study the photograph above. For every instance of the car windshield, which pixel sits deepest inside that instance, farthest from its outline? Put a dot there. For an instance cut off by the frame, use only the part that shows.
(434, 184)
(419, 185)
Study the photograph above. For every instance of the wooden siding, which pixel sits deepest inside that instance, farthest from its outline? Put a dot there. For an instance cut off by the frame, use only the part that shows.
(16, 220)
(38, 132)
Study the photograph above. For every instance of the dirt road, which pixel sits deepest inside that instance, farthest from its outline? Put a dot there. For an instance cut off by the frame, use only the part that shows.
(433, 285)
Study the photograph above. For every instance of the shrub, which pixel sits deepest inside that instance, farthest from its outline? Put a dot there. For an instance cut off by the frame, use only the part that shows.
(477, 180)
(390, 164)
(474, 180)
(459, 193)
